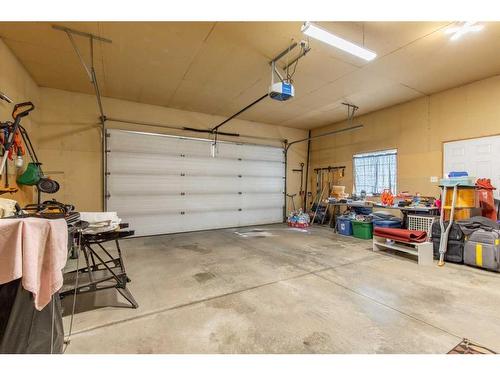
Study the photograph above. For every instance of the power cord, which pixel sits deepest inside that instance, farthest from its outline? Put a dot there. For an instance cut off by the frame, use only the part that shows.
(67, 339)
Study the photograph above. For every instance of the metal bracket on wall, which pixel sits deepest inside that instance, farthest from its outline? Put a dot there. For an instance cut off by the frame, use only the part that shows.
(90, 70)
(351, 110)
(285, 75)
(329, 169)
(301, 171)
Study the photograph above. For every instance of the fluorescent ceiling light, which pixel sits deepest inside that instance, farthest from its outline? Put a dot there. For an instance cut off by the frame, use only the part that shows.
(467, 27)
(327, 37)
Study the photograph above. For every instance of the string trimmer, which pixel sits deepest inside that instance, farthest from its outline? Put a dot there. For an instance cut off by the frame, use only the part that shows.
(20, 110)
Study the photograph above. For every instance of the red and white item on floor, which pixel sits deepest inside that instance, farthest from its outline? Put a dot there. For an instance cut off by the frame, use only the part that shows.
(298, 219)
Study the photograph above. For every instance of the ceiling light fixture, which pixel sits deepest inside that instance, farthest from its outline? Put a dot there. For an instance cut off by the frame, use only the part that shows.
(466, 27)
(327, 37)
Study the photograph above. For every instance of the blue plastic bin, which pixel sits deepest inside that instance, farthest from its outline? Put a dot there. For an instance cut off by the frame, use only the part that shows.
(344, 226)
(387, 223)
(363, 210)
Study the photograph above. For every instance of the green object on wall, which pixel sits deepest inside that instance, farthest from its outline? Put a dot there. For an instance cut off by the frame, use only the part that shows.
(31, 175)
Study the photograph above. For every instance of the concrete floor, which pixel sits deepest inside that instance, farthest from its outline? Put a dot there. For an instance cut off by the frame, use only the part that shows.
(291, 292)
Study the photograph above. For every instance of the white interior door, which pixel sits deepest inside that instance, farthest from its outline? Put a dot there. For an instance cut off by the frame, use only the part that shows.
(479, 157)
(165, 184)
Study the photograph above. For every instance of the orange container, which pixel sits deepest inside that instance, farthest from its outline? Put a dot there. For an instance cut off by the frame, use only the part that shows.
(466, 197)
(462, 213)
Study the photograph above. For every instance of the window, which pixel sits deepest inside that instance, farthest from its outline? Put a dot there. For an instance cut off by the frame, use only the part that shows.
(375, 171)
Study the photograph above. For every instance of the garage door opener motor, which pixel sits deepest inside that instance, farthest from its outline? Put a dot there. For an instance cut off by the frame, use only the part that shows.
(281, 88)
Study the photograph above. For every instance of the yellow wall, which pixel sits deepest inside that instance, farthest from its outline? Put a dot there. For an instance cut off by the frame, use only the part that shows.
(16, 83)
(70, 140)
(417, 130)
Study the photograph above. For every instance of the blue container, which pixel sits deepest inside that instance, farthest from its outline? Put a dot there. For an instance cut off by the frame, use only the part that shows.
(387, 223)
(344, 226)
(363, 210)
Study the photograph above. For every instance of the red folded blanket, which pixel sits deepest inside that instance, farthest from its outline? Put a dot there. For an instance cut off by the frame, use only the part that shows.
(403, 235)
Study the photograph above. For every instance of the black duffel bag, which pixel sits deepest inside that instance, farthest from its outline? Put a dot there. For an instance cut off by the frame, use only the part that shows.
(456, 239)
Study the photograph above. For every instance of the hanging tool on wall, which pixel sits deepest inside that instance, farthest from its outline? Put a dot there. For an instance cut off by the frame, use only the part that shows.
(33, 175)
(12, 145)
(16, 148)
(291, 197)
(301, 170)
(4, 136)
(6, 188)
(5, 97)
(20, 110)
(329, 176)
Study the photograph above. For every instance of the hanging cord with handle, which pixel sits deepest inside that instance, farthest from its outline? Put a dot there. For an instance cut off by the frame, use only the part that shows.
(52, 327)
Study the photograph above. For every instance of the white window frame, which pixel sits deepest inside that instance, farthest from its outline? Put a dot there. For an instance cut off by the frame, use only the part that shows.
(375, 154)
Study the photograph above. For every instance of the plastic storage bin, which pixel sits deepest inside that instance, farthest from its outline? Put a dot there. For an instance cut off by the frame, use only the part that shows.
(362, 210)
(362, 229)
(344, 226)
(387, 223)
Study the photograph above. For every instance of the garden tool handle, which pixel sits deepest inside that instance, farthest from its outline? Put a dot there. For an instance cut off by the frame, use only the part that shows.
(5, 97)
(22, 110)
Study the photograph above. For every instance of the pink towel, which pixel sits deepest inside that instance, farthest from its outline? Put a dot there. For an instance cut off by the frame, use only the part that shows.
(36, 250)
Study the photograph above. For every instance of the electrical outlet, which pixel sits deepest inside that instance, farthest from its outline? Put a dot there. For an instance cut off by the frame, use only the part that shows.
(434, 179)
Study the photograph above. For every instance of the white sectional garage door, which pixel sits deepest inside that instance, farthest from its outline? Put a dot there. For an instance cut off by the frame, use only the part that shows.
(165, 184)
(479, 157)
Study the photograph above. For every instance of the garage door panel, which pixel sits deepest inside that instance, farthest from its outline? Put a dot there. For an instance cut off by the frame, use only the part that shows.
(133, 185)
(162, 184)
(175, 146)
(147, 143)
(150, 224)
(125, 162)
(249, 152)
(194, 203)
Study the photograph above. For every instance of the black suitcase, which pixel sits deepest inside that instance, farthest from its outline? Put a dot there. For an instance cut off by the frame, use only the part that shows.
(456, 239)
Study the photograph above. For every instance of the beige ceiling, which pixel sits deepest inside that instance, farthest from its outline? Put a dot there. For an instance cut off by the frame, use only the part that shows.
(220, 67)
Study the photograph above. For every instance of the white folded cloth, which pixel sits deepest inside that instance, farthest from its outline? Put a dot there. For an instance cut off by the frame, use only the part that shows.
(100, 222)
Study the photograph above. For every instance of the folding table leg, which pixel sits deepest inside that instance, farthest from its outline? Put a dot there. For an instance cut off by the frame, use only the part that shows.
(128, 296)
